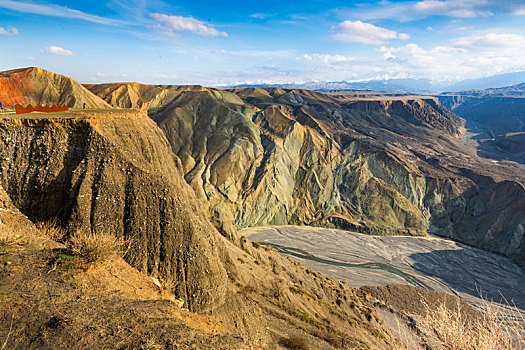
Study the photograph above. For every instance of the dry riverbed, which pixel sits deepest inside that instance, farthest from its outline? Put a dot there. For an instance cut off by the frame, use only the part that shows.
(426, 262)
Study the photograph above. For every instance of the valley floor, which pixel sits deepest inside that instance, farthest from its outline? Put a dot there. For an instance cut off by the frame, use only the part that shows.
(428, 262)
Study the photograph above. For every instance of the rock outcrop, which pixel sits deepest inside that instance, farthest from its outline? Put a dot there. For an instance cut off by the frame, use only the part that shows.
(37, 86)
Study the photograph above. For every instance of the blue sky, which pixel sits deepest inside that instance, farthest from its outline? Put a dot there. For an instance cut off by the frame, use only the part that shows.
(234, 42)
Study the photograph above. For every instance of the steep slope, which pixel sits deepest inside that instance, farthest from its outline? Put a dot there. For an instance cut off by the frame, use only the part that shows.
(135, 95)
(47, 303)
(15, 227)
(385, 165)
(108, 173)
(114, 172)
(37, 86)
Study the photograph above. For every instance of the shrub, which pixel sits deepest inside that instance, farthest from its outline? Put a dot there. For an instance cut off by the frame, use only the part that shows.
(297, 342)
(256, 245)
(92, 247)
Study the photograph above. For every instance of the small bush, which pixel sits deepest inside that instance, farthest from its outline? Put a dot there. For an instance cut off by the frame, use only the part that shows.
(256, 245)
(297, 342)
(93, 247)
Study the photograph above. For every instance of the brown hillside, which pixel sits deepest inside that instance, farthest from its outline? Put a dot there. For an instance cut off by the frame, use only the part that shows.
(37, 86)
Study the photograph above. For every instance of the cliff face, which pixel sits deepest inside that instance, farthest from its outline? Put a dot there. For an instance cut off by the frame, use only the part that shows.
(115, 173)
(37, 86)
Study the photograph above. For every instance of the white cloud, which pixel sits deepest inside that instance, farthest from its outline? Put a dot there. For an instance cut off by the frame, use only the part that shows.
(100, 77)
(465, 57)
(366, 33)
(520, 11)
(453, 8)
(54, 11)
(325, 58)
(261, 15)
(56, 50)
(207, 52)
(171, 24)
(411, 10)
(491, 41)
(8, 31)
(267, 54)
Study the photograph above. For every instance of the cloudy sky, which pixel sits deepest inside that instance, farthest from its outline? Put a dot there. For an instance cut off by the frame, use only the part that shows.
(274, 41)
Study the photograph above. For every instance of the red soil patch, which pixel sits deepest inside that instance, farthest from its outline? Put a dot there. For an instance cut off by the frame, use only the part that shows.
(54, 108)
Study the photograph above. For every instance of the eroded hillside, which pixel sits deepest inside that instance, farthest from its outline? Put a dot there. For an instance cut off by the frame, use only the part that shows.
(114, 172)
(46, 303)
(107, 173)
(385, 165)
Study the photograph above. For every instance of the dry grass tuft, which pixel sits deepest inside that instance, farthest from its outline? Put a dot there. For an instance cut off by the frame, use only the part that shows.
(93, 247)
(297, 342)
(452, 330)
(51, 230)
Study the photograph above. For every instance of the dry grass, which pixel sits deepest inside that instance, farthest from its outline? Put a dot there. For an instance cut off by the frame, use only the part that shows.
(51, 230)
(452, 330)
(93, 247)
(297, 342)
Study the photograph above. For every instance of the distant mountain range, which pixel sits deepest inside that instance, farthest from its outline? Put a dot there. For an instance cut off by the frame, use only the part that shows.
(495, 81)
(425, 86)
